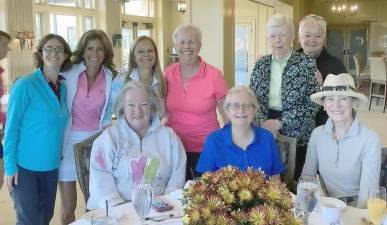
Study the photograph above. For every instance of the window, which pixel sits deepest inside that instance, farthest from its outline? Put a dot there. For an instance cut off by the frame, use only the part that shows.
(139, 8)
(88, 23)
(38, 27)
(89, 4)
(71, 3)
(131, 31)
(127, 40)
(66, 26)
(145, 30)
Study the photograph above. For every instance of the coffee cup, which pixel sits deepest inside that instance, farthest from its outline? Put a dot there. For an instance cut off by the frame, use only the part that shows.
(330, 212)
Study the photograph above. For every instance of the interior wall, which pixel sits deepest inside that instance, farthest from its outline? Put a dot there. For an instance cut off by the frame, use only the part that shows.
(4, 62)
(21, 61)
(247, 11)
(215, 18)
(113, 26)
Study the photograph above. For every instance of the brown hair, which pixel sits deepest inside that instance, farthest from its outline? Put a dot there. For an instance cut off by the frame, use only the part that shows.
(38, 55)
(5, 35)
(156, 68)
(107, 46)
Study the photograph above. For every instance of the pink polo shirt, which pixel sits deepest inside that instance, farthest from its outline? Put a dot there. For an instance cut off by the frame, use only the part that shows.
(87, 105)
(192, 112)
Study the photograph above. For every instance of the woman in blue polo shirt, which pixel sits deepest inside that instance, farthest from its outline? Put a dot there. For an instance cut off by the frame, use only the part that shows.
(240, 143)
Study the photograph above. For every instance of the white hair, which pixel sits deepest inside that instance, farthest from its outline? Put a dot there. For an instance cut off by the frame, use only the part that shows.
(187, 28)
(315, 19)
(240, 89)
(278, 20)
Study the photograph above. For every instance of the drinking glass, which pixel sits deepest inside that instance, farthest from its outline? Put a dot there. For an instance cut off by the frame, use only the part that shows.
(142, 200)
(376, 204)
(308, 189)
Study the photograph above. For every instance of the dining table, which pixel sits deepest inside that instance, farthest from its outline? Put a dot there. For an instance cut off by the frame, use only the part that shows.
(126, 214)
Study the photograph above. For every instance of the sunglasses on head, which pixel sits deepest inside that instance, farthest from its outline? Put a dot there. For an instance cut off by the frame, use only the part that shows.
(337, 88)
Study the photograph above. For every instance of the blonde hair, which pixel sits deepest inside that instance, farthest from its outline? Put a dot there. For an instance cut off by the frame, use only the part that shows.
(317, 20)
(156, 68)
(189, 28)
(278, 20)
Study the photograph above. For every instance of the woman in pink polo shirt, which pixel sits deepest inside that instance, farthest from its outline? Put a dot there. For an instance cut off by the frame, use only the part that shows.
(88, 86)
(195, 90)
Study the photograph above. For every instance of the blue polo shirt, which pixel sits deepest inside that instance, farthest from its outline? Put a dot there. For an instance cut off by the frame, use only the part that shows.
(220, 151)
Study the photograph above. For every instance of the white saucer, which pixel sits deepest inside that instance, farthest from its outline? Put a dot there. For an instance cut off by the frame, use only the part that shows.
(332, 201)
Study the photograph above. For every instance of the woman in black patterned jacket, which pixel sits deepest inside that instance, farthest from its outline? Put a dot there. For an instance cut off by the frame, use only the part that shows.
(283, 82)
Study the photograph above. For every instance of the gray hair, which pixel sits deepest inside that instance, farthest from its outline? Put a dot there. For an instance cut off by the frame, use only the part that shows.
(187, 28)
(317, 20)
(279, 20)
(241, 89)
(157, 105)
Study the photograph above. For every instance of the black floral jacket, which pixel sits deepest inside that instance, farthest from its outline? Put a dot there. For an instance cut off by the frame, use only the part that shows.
(298, 83)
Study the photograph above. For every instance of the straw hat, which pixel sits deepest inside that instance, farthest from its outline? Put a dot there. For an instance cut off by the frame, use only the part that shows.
(342, 85)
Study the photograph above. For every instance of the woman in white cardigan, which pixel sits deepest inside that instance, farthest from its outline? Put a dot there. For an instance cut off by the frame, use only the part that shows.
(137, 148)
(345, 152)
(88, 86)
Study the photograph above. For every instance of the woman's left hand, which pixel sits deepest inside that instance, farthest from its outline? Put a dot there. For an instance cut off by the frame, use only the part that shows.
(273, 125)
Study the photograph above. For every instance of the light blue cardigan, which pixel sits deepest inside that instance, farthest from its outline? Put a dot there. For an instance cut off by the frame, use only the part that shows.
(36, 122)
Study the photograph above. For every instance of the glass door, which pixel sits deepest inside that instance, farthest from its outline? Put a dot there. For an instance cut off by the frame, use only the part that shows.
(343, 43)
(243, 53)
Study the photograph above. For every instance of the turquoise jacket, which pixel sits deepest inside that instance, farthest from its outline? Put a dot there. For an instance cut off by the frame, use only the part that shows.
(36, 122)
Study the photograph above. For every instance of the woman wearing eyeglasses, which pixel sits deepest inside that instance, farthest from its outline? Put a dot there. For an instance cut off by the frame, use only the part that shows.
(88, 86)
(36, 120)
(240, 143)
(345, 152)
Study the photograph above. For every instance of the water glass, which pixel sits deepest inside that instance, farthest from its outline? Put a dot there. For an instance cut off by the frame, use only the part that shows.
(308, 189)
(142, 200)
(103, 220)
(376, 204)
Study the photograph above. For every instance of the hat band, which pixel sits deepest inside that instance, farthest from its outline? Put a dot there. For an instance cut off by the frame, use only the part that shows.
(337, 88)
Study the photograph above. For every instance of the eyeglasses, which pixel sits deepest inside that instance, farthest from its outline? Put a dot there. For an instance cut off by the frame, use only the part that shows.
(56, 50)
(337, 88)
(245, 106)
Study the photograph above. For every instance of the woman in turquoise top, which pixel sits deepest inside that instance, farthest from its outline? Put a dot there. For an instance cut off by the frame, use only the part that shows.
(36, 119)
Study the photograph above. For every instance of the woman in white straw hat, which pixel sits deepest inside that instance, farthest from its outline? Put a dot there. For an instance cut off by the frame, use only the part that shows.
(345, 152)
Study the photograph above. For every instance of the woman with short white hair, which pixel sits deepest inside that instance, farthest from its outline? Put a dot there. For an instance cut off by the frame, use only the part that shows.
(136, 149)
(345, 152)
(195, 90)
(312, 33)
(240, 143)
(282, 82)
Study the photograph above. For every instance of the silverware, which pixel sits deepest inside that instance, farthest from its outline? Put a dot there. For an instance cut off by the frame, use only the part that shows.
(163, 217)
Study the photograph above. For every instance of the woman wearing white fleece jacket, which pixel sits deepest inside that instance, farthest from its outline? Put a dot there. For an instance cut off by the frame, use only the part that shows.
(138, 148)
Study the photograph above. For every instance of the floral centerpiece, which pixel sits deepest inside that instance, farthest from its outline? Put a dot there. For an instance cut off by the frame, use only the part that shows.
(232, 197)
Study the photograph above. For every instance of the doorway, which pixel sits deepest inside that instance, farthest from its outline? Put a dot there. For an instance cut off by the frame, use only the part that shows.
(343, 43)
(244, 52)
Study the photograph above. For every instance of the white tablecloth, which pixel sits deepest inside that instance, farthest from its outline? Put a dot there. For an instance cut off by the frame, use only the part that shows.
(127, 214)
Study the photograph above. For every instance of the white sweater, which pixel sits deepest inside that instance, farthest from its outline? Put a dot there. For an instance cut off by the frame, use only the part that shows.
(119, 158)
